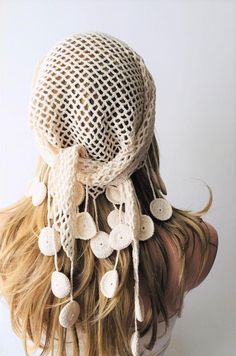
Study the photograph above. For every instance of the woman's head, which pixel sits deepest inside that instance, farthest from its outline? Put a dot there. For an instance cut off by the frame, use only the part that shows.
(93, 111)
(94, 90)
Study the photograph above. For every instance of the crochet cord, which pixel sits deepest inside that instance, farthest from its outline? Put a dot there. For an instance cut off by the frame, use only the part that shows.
(149, 178)
(117, 258)
(53, 227)
(55, 254)
(121, 202)
(86, 198)
(135, 259)
(71, 277)
(135, 252)
(96, 213)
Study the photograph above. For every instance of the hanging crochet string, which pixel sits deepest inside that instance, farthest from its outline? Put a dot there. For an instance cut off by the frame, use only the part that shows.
(117, 258)
(86, 195)
(149, 178)
(50, 211)
(71, 277)
(96, 213)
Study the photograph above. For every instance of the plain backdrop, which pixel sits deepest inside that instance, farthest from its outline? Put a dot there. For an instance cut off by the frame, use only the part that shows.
(190, 49)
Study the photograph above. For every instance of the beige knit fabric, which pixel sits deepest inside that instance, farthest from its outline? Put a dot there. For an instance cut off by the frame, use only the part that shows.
(93, 94)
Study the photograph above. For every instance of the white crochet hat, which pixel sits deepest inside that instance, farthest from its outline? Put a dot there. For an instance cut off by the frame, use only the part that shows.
(93, 100)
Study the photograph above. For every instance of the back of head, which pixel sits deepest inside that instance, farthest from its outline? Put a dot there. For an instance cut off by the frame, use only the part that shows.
(91, 222)
(93, 90)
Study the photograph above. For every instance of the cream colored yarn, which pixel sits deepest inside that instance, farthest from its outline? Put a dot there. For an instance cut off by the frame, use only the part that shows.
(94, 100)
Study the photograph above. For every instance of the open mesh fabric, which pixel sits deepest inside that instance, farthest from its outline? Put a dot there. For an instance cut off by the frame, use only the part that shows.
(93, 94)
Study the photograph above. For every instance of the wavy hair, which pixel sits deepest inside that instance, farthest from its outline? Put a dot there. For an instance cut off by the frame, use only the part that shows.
(26, 272)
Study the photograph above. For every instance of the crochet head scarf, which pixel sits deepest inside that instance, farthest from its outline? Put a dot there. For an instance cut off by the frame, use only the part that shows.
(93, 113)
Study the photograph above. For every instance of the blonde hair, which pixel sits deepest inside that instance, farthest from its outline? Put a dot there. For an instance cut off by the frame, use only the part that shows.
(26, 272)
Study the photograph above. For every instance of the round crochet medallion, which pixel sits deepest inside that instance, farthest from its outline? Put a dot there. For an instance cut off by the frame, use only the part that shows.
(69, 314)
(86, 227)
(39, 192)
(115, 217)
(113, 194)
(146, 227)
(30, 188)
(46, 243)
(120, 236)
(161, 209)
(60, 284)
(100, 245)
(109, 283)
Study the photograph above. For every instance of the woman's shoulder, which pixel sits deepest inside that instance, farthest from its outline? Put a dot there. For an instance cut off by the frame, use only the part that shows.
(193, 257)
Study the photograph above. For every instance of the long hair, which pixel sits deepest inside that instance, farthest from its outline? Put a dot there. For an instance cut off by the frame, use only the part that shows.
(26, 272)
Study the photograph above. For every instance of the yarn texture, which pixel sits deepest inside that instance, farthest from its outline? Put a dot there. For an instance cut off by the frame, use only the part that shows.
(94, 104)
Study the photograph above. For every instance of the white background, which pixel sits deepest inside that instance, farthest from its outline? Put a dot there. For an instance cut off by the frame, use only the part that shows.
(190, 48)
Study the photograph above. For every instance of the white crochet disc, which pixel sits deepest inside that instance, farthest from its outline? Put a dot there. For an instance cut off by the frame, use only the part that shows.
(39, 193)
(31, 186)
(120, 236)
(134, 344)
(146, 227)
(45, 241)
(109, 283)
(60, 284)
(100, 245)
(113, 218)
(69, 314)
(161, 209)
(113, 194)
(86, 227)
(79, 193)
